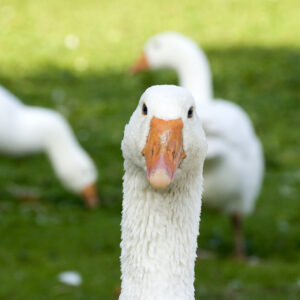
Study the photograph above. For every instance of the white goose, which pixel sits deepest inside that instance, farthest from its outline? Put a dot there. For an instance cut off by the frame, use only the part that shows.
(164, 147)
(26, 130)
(234, 164)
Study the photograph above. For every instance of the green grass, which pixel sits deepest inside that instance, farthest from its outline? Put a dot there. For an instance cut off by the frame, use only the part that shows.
(254, 50)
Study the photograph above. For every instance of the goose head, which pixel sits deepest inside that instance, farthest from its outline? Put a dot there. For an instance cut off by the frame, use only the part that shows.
(164, 137)
(165, 50)
(77, 172)
(82, 179)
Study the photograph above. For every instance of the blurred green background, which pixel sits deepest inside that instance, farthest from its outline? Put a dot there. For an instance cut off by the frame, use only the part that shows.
(72, 56)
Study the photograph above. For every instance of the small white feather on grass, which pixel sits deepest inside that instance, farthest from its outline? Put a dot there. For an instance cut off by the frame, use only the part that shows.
(70, 278)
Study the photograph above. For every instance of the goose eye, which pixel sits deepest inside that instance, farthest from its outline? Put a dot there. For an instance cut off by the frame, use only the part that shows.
(190, 112)
(144, 109)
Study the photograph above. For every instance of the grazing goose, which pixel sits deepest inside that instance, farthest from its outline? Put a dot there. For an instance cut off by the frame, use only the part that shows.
(234, 165)
(26, 130)
(164, 147)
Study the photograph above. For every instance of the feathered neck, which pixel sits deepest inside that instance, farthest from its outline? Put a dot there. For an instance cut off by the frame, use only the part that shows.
(159, 237)
(194, 74)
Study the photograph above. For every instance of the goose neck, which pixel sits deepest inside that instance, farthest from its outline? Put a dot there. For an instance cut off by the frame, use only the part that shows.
(159, 240)
(195, 75)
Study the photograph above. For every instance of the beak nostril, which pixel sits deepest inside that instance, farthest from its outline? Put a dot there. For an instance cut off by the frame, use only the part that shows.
(174, 154)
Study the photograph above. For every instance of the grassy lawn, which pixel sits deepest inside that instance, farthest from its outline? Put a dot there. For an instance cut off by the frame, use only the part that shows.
(72, 56)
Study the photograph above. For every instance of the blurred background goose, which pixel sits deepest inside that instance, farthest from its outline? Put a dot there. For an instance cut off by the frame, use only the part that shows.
(234, 165)
(26, 130)
(164, 148)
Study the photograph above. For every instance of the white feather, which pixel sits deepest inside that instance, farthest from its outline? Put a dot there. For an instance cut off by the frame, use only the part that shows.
(70, 278)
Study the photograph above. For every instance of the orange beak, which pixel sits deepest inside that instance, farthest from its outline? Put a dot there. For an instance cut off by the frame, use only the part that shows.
(90, 195)
(163, 151)
(140, 65)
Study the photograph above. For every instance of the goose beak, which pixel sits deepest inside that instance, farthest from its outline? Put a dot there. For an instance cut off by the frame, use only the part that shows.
(90, 195)
(163, 151)
(140, 65)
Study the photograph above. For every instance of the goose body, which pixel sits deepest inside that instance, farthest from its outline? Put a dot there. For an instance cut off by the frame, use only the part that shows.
(234, 165)
(160, 223)
(27, 130)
